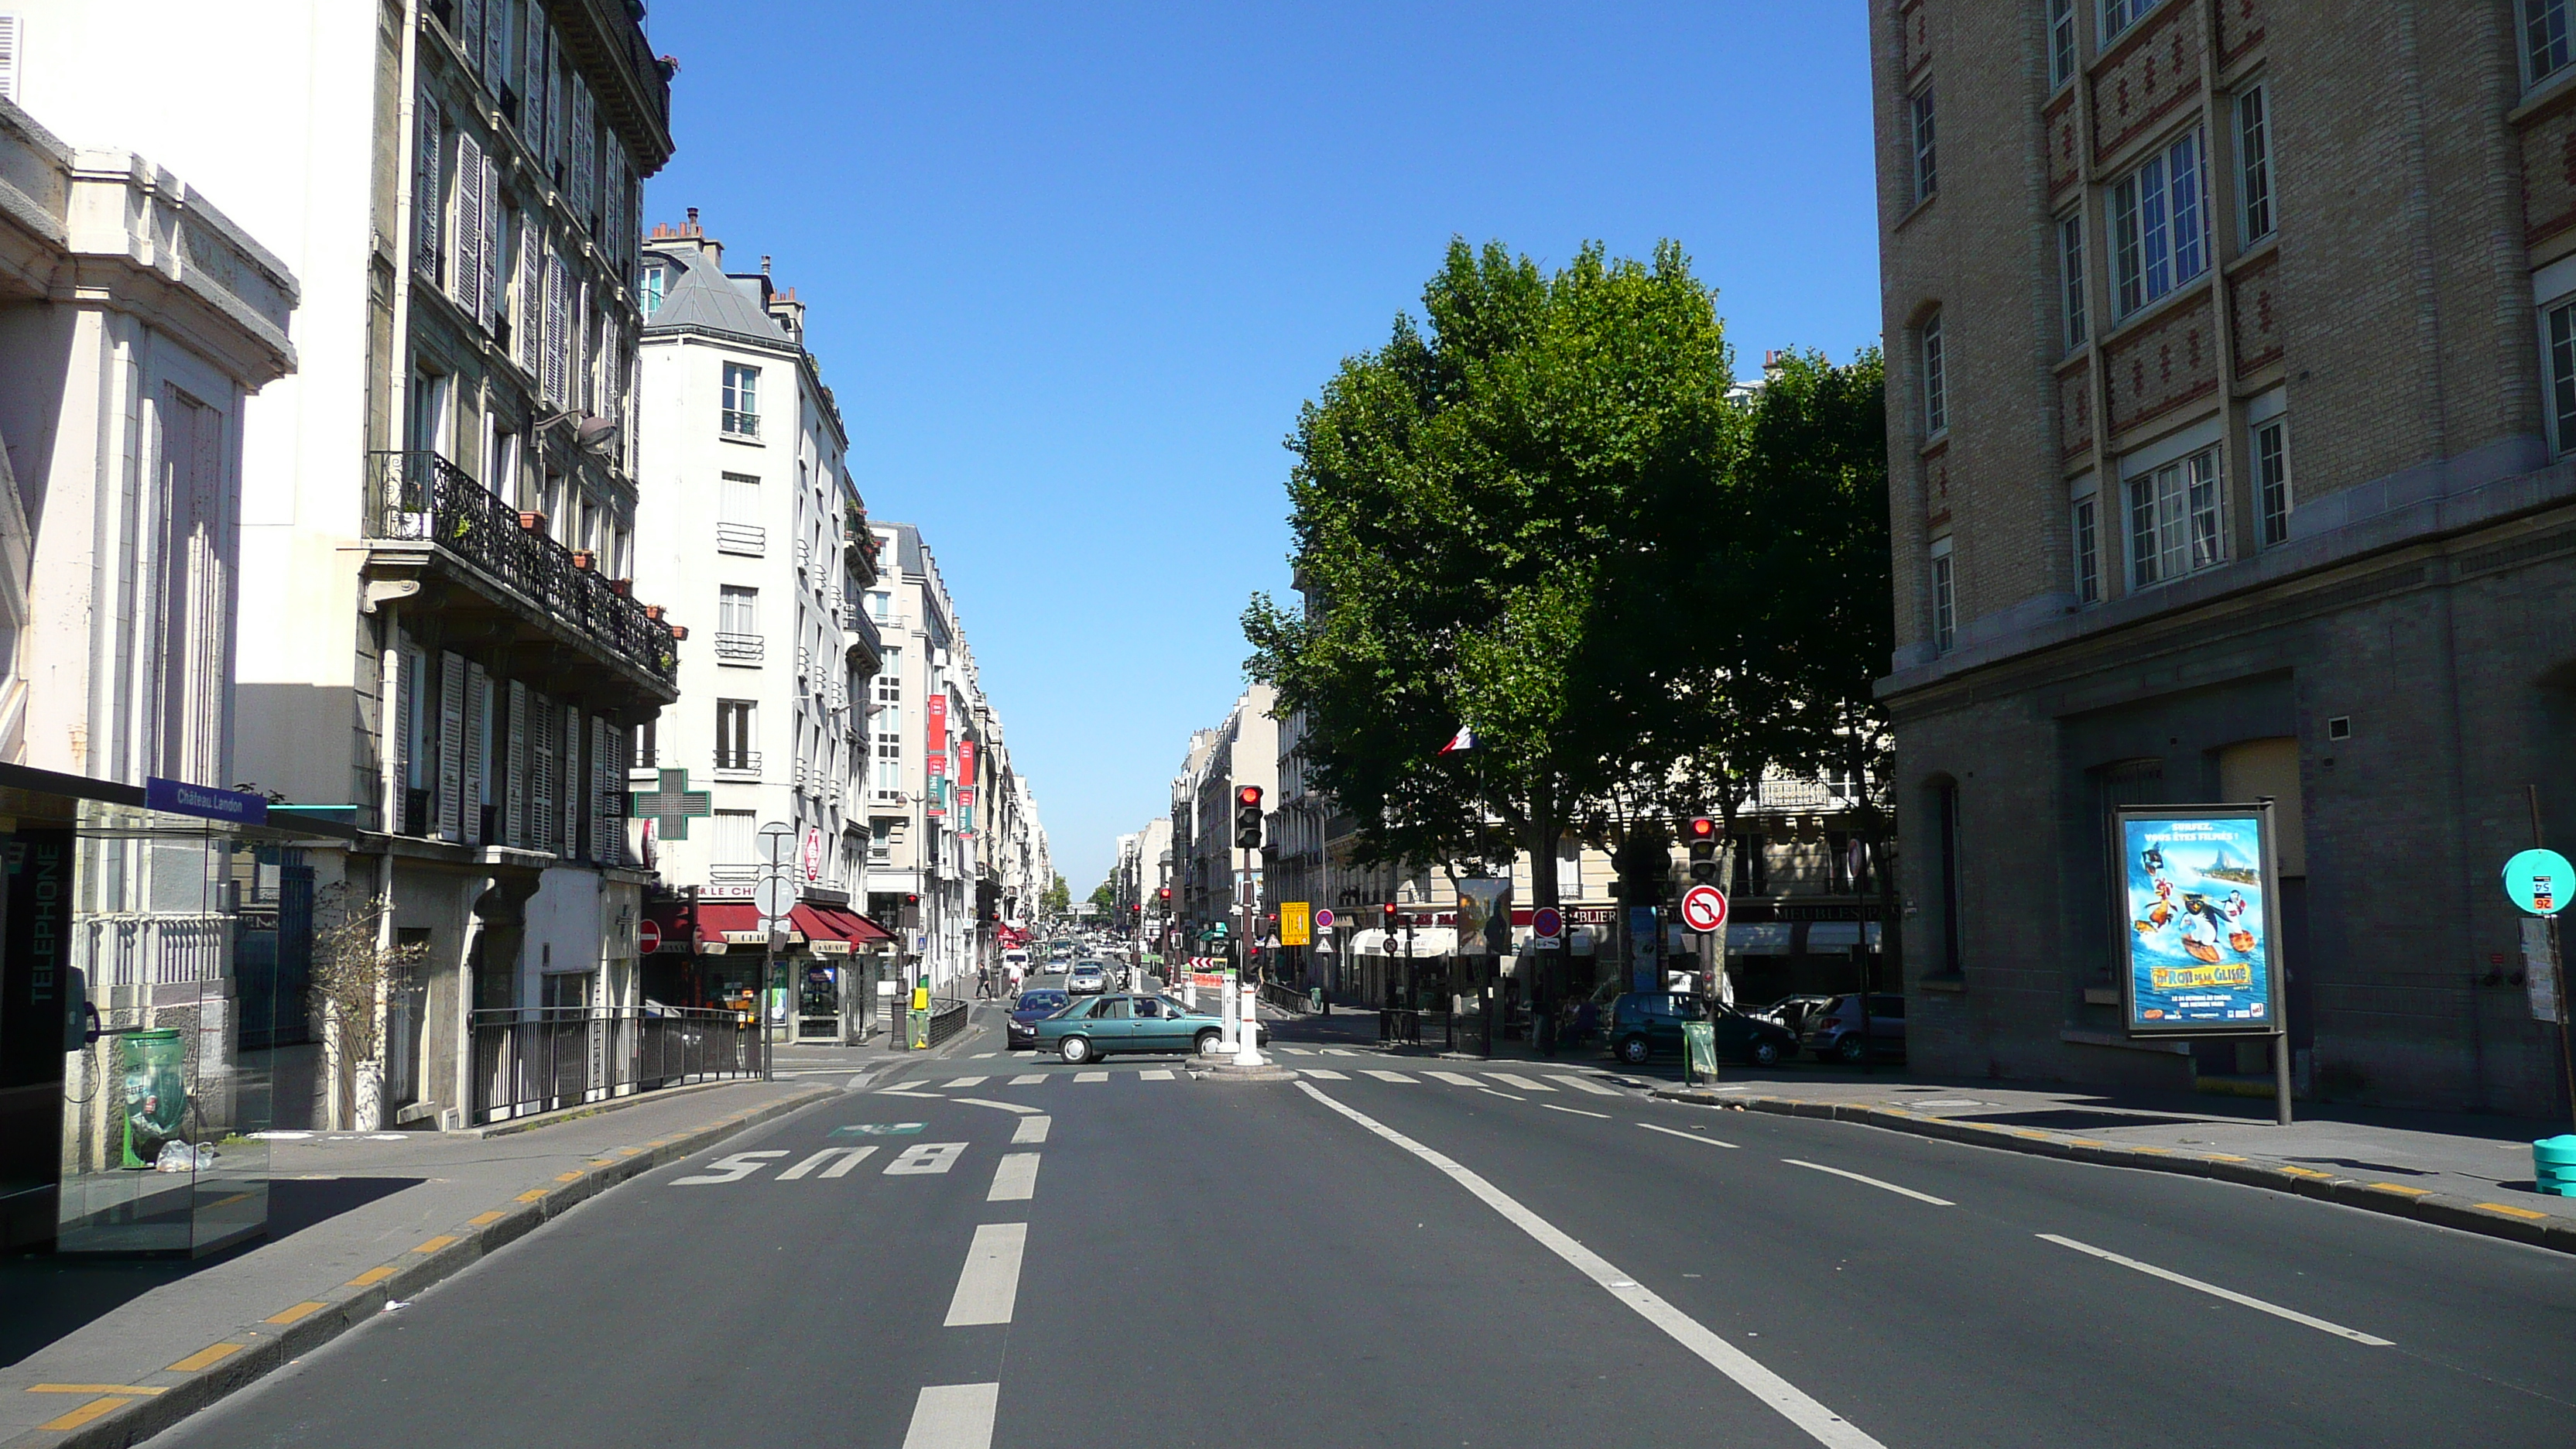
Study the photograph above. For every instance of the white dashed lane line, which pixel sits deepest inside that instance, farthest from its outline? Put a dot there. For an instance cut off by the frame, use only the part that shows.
(1031, 1129)
(953, 1416)
(1015, 1179)
(2214, 1291)
(1575, 1111)
(1873, 1182)
(1686, 1136)
(988, 1287)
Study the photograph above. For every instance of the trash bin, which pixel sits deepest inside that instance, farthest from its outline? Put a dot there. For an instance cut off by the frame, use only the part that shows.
(2553, 1165)
(1699, 1052)
(154, 1065)
(917, 1029)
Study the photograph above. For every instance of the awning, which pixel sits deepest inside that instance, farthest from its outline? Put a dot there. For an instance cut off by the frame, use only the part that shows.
(1428, 941)
(1839, 935)
(716, 920)
(1768, 938)
(832, 931)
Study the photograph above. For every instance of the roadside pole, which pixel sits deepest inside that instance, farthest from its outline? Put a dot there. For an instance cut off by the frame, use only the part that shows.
(2557, 964)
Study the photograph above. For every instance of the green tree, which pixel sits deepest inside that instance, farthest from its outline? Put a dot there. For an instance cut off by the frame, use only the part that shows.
(1105, 896)
(1502, 520)
(1054, 899)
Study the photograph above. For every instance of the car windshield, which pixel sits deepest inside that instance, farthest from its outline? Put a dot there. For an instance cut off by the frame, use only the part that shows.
(1172, 1007)
(1041, 1000)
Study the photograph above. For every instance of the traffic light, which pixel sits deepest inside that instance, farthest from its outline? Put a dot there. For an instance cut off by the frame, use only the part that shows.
(1703, 849)
(1166, 895)
(1389, 909)
(1247, 817)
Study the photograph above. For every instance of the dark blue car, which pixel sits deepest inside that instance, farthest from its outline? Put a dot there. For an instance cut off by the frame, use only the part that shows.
(1032, 1008)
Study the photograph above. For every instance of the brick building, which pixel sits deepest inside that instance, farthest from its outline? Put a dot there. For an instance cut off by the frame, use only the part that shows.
(2232, 367)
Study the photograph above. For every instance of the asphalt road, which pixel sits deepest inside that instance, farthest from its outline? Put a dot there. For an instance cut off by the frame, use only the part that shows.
(1360, 1261)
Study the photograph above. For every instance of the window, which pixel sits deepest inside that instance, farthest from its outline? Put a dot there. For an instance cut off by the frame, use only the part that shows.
(2070, 268)
(2158, 237)
(647, 737)
(655, 279)
(2254, 163)
(735, 839)
(890, 762)
(1926, 174)
(2561, 321)
(2544, 32)
(741, 400)
(2272, 478)
(2175, 525)
(2087, 527)
(890, 680)
(2061, 42)
(738, 528)
(1945, 599)
(1945, 863)
(12, 59)
(736, 728)
(2119, 15)
(738, 611)
(1936, 403)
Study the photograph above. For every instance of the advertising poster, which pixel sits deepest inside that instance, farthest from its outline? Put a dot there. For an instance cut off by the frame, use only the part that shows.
(2198, 921)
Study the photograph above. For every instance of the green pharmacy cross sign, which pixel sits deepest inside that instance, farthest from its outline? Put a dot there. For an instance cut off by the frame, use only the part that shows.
(670, 807)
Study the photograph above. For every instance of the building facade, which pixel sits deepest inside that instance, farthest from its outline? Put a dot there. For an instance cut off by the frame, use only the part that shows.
(2232, 373)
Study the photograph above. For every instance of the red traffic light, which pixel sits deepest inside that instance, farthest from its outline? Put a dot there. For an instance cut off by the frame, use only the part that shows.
(1248, 795)
(1703, 828)
(1167, 893)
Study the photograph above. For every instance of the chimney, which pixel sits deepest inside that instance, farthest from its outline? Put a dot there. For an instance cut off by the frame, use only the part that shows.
(764, 264)
(693, 221)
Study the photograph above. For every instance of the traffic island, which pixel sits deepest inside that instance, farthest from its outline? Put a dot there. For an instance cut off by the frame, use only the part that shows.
(1225, 1071)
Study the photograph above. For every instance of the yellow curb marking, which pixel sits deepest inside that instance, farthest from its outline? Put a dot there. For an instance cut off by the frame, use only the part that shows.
(434, 1244)
(531, 1195)
(2497, 1207)
(2305, 1172)
(229, 1201)
(206, 1357)
(92, 1389)
(484, 1220)
(2222, 1157)
(2399, 1187)
(84, 1413)
(2025, 1132)
(371, 1277)
(630, 1151)
(295, 1314)
(2084, 1142)
(567, 1176)
(2151, 1149)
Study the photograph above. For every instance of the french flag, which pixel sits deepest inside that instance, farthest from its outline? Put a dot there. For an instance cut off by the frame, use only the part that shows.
(1460, 742)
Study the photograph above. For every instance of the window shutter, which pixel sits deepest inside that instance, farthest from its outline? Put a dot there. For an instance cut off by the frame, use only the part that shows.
(558, 324)
(427, 196)
(478, 717)
(496, 46)
(532, 95)
(13, 53)
(465, 283)
(402, 683)
(489, 305)
(541, 773)
(584, 377)
(568, 778)
(469, 30)
(585, 190)
(532, 295)
(603, 811)
(451, 743)
(514, 818)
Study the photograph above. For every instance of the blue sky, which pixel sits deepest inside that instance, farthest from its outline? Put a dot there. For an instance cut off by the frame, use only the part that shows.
(1071, 269)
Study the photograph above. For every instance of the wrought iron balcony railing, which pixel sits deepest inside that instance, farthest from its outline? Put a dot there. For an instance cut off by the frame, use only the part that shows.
(423, 498)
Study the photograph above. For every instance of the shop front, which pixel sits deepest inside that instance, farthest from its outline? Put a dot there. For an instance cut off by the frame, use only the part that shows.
(155, 970)
(819, 974)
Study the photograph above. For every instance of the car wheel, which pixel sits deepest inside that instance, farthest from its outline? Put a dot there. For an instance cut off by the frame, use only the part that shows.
(1851, 1049)
(1634, 1051)
(1074, 1048)
(1766, 1054)
(1211, 1044)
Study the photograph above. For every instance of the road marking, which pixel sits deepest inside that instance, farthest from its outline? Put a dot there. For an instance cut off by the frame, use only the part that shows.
(1524, 1083)
(1339, 1052)
(1583, 1084)
(1299, 1051)
(295, 1314)
(1455, 1079)
(989, 1285)
(531, 1195)
(905, 1089)
(729, 1169)
(1031, 1129)
(1387, 1076)
(2213, 1290)
(1506, 1096)
(84, 1414)
(95, 1388)
(1327, 1073)
(2524, 1213)
(371, 1277)
(997, 1106)
(963, 1082)
(207, 1357)
(1685, 1136)
(1576, 1111)
(1028, 1079)
(1874, 1182)
(925, 1159)
(2401, 1187)
(485, 1220)
(1155, 1074)
(1820, 1423)
(434, 1244)
(953, 1416)
(983, 1056)
(1016, 1180)
(841, 1158)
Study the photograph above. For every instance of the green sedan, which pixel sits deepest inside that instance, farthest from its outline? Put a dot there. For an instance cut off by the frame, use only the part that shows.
(1121, 1023)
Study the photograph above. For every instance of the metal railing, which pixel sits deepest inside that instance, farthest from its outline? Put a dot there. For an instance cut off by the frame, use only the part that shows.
(423, 498)
(1401, 1026)
(1286, 998)
(746, 761)
(947, 1018)
(743, 648)
(742, 538)
(530, 1060)
(741, 424)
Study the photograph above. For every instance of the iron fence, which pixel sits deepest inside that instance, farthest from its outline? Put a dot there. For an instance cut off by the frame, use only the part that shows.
(530, 1060)
(947, 1018)
(1402, 1026)
(422, 497)
(1286, 998)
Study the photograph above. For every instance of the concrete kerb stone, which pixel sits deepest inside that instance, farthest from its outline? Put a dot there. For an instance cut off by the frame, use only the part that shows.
(267, 1346)
(2440, 1209)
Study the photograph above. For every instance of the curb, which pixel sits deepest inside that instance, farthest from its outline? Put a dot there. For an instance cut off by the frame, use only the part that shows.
(245, 1354)
(2494, 1220)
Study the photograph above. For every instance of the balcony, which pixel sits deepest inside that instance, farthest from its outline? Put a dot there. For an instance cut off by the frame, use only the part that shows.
(440, 539)
(748, 539)
(740, 424)
(859, 544)
(739, 766)
(866, 645)
(740, 648)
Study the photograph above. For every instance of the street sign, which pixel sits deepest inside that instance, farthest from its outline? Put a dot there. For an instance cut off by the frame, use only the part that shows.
(1547, 923)
(775, 896)
(2538, 882)
(777, 845)
(1323, 918)
(1294, 919)
(1703, 908)
(648, 937)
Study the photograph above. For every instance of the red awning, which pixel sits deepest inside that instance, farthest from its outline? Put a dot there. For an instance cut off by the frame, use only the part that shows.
(832, 923)
(716, 918)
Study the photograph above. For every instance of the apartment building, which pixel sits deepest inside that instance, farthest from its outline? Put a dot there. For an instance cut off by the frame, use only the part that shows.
(439, 641)
(2232, 374)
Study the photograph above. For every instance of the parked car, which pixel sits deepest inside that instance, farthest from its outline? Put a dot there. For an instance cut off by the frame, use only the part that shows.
(1032, 1008)
(1835, 1034)
(1124, 1024)
(1644, 1024)
(1794, 1012)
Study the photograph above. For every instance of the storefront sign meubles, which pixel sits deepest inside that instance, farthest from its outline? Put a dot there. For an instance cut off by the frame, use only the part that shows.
(2198, 920)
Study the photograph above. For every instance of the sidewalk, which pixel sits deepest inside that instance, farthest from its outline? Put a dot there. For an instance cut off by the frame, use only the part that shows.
(108, 1351)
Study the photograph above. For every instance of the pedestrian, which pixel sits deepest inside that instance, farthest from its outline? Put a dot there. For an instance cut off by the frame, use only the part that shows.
(1584, 1018)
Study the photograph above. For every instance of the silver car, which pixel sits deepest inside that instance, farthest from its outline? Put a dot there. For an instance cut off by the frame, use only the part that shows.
(1087, 979)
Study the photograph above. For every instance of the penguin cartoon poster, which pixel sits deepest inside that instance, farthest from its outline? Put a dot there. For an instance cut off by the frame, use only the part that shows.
(2197, 921)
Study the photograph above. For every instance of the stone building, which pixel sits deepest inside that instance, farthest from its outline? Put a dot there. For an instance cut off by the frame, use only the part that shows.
(2232, 373)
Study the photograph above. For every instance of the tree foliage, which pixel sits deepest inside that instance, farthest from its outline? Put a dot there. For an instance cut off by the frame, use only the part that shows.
(1055, 898)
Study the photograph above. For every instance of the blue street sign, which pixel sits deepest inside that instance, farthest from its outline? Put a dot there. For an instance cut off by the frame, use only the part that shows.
(178, 797)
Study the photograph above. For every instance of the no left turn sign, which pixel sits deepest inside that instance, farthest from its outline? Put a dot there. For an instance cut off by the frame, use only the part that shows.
(1703, 908)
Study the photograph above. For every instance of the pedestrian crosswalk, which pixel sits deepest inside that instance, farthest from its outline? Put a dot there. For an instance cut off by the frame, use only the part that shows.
(1550, 1083)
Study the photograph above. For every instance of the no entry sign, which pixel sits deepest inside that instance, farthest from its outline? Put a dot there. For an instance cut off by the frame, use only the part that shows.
(1703, 908)
(648, 937)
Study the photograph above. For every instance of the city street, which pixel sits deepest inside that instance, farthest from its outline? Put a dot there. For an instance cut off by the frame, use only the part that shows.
(1402, 1250)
